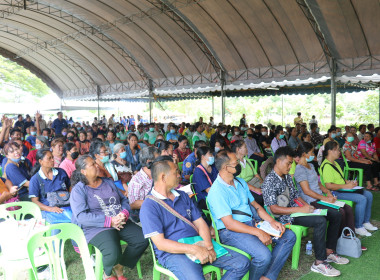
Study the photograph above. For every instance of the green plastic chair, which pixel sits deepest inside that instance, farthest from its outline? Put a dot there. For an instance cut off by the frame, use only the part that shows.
(180, 164)
(1, 171)
(26, 208)
(158, 269)
(217, 239)
(299, 231)
(99, 262)
(53, 246)
(358, 172)
(348, 202)
(255, 164)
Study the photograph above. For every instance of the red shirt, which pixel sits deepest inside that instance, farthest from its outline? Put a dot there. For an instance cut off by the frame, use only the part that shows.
(32, 156)
(182, 155)
(376, 140)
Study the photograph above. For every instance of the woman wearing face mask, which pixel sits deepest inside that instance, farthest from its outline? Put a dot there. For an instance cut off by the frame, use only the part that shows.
(121, 166)
(278, 140)
(220, 144)
(172, 136)
(354, 160)
(312, 190)
(15, 170)
(254, 151)
(247, 171)
(133, 151)
(41, 142)
(71, 137)
(331, 136)
(236, 135)
(334, 181)
(183, 150)
(205, 174)
(99, 152)
(83, 144)
(57, 150)
(70, 152)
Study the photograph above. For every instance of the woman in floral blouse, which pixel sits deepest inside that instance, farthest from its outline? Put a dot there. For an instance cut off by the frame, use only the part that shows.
(355, 159)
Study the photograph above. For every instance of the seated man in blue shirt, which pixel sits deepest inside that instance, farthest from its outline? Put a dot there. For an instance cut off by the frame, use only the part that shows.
(189, 162)
(165, 229)
(172, 136)
(230, 203)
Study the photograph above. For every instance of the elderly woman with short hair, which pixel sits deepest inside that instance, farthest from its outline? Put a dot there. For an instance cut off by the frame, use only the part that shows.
(142, 182)
(102, 212)
(41, 142)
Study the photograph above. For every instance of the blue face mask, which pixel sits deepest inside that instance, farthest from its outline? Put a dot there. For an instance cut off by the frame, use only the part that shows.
(369, 142)
(350, 139)
(33, 133)
(38, 146)
(46, 137)
(333, 135)
(151, 129)
(172, 130)
(310, 159)
(217, 149)
(123, 154)
(64, 133)
(338, 134)
(16, 160)
(317, 130)
(282, 136)
(105, 159)
(210, 161)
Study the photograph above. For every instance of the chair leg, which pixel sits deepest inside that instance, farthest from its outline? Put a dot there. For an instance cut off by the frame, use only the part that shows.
(156, 274)
(138, 267)
(296, 249)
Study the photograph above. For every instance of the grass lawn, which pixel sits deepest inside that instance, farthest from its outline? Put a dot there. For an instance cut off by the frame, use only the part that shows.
(366, 267)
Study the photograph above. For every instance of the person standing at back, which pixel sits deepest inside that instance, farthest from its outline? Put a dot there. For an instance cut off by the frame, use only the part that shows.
(298, 119)
(59, 123)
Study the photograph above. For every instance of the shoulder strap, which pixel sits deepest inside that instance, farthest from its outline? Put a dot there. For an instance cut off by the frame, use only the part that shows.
(335, 168)
(42, 184)
(172, 211)
(205, 172)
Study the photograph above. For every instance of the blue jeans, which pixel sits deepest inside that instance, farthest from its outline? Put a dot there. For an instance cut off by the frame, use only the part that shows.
(363, 205)
(236, 265)
(264, 262)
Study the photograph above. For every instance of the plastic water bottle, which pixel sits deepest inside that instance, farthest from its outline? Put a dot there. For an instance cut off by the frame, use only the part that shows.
(309, 248)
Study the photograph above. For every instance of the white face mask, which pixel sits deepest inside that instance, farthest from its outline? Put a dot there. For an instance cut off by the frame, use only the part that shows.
(223, 134)
(237, 132)
(264, 133)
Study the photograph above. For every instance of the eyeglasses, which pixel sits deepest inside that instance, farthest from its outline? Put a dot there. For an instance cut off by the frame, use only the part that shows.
(104, 153)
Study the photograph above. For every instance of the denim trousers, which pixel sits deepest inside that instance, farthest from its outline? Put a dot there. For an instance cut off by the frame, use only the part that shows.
(363, 205)
(236, 265)
(264, 262)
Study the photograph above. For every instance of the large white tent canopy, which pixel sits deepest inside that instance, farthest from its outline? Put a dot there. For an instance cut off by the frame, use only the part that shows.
(134, 48)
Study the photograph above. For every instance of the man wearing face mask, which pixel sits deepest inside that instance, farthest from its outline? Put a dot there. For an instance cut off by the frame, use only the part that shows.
(172, 136)
(235, 212)
(150, 136)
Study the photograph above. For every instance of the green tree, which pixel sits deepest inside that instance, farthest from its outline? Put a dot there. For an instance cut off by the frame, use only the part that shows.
(14, 75)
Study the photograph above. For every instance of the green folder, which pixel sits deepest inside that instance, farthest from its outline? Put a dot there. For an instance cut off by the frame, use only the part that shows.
(219, 250)
(329, 204)
(323, 212)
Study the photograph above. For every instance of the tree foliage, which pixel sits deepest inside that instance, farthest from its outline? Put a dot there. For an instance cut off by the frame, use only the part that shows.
(14, 75)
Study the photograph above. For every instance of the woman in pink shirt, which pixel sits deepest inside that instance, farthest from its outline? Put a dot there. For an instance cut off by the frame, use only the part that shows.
(367, 150)
(70, 152)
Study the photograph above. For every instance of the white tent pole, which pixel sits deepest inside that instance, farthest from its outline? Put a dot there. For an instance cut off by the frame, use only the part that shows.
(223, 95)
(333, 93)
(98, 90)
(150, 99)
(212, 99)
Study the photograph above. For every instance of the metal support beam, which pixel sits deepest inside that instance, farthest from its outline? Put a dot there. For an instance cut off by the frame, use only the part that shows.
(213, 106)
(223, 95)
(333, 93)
(379, 103)
(150, 100)
(98, 91)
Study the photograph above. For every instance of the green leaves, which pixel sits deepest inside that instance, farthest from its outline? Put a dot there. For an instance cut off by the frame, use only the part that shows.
(14, 75)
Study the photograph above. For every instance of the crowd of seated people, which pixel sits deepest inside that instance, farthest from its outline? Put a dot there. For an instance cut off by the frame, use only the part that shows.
(119, 183)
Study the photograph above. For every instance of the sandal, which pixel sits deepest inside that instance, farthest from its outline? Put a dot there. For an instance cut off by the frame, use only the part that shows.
(373, 188)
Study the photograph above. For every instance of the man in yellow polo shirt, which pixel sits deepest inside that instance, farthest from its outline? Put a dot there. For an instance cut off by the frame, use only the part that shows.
(298, 119)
